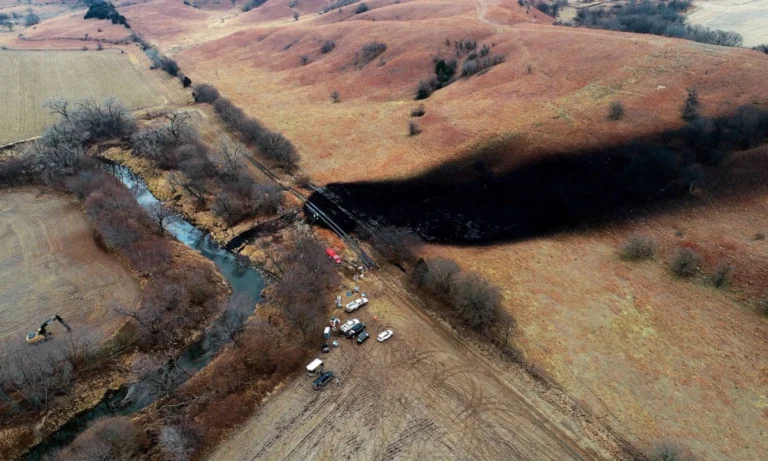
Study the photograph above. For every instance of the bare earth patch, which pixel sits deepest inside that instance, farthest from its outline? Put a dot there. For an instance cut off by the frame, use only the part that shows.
(50, 264)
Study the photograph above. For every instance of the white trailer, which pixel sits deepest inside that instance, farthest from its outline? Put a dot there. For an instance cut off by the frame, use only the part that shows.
(315, 367)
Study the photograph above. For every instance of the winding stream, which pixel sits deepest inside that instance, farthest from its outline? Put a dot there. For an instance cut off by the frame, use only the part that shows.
(246, 282)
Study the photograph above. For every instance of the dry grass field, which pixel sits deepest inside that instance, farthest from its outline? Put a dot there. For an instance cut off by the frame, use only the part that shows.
(747, 17)
(29, 78)
(50, 264)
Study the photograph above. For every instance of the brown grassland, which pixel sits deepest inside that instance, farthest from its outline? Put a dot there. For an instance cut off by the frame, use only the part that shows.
(653, 357)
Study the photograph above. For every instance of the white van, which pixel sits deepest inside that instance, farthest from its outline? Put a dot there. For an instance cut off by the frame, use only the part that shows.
(315, 367)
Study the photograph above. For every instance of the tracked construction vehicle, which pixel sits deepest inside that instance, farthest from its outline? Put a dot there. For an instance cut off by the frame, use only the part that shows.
(42, 333)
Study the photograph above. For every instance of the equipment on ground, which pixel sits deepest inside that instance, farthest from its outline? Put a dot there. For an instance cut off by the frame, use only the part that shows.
(42, 334)
(324, 379)
(315, 366)
(332, 254)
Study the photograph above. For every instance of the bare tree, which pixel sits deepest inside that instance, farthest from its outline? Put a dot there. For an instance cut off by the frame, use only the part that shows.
(276, 147)
(196, 187)
(175, 443)
(475, 299)
(206, 93)
(685, 262)
(112, 438)
(161, 215)
(180, 127)
(229, 156)
(396, 244)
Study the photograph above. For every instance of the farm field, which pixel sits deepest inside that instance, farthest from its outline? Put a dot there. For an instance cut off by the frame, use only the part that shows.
(29, 78)
(747, 17)
(50, 264)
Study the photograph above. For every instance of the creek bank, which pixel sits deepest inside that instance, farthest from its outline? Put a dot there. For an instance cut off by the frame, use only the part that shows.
(245, 282)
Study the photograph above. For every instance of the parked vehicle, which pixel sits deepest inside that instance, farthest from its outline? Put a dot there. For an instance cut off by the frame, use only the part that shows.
(332, 254)
(322, 380)
(384, 335)
(327, 332)
(350, 323)
(362, 337)
(356, 304)
(325, 349)
(357, 328)
(314, 367)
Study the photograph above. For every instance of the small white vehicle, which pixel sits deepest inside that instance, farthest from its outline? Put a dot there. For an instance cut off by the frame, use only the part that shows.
(384, 335)
(348, 325)
(356, 304)
(314, 367)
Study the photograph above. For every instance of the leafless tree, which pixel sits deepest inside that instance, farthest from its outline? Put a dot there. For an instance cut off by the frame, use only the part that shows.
(33, 375)
(161, 215)
(80, 348)
(436, 275)
(396, 244)
(112, 438)
(475, 299)
(196, 187)
(180, 127)
(276, 147)
(229, 156)
(175, 443)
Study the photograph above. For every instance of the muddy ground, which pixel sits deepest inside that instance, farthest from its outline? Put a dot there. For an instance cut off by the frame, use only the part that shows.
(424, 394)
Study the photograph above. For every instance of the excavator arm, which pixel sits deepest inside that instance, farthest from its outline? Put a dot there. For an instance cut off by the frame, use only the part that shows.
(42, 333)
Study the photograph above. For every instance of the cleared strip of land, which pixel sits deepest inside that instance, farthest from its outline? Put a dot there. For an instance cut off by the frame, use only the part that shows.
(29, 78)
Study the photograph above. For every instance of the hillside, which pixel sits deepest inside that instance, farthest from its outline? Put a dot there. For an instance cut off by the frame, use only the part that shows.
(654, 357)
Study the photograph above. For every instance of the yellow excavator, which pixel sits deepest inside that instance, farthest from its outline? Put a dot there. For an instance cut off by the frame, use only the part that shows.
(42, 334)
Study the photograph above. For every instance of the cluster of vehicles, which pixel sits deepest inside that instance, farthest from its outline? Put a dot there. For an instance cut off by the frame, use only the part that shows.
(352, 329)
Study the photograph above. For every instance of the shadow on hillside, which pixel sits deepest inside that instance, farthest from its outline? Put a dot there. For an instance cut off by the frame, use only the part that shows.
(474, 201)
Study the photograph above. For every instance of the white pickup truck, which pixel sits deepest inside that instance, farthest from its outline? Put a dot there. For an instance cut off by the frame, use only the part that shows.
(349, 324)
(356, 304)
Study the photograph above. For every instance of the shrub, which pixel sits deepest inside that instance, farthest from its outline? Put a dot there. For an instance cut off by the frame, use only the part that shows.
(668, 451)
(338, 4)
(690, 109)
(475, 299)
(685, 263)
(304, 60)
(418, 111)
(205, 93)
(638, 247)
(277, 147)
(424, 90)
(761, 48)
(105, 10)
(722, 276)
(616, 110)
(413, 128)
(251, 4)
(335, 96)
(369, 52)
(476, 65)
(31, 20)
(759, 236)
(361, 8)
(327, 46)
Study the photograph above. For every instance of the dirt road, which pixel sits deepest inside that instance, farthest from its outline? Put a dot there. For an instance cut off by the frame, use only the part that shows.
(49, 264)
(424, 394)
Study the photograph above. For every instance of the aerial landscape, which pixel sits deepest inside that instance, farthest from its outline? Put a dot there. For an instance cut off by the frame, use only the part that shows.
(383, 229)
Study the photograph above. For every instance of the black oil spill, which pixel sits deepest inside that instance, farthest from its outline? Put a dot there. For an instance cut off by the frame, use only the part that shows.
(472, 202)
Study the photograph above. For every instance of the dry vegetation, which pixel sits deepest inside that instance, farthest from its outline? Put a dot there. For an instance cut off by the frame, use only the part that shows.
(32, 77)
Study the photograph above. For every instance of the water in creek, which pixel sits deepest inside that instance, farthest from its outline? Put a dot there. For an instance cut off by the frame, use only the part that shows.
(246, 283)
